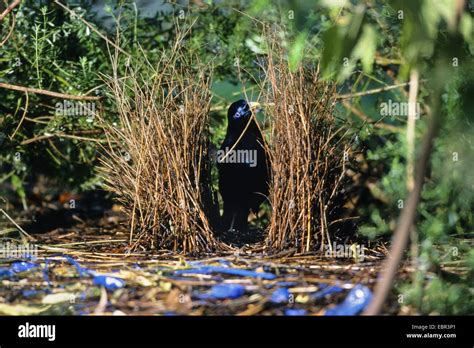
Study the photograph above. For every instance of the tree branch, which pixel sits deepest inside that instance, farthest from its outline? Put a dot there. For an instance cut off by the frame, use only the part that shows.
(9, 9)
(45, 92)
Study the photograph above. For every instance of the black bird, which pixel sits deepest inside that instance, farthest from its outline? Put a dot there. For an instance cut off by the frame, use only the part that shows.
(243, 167)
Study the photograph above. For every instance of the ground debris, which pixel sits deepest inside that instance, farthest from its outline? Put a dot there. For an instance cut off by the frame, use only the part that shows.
(95, 273)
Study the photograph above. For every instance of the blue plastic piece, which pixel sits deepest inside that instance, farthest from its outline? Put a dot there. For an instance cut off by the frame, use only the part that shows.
(110, 283)
(328, 290)
(81, 270)
(357, 299)
(45, 273)
(6, 272)
(223, 291)
(29, 293)
(295, 311)
(286, 283)
(22, 266)
(226, 270)
(281, 295)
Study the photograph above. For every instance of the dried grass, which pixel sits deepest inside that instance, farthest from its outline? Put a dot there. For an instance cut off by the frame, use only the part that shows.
(307, 154)
(157, 155)
(158, 166)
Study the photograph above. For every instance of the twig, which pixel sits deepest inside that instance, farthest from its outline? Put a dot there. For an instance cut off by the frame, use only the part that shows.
(412, 110)
(10, 32)
(59, 135)
(45, 92)
(9, 9)
(16, 225)
(22, 117)
(373, 91)
(102, 305)
(367, 119)
(91, 242)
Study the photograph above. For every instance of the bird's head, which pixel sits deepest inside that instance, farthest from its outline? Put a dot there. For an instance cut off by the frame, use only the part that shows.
(239, 112)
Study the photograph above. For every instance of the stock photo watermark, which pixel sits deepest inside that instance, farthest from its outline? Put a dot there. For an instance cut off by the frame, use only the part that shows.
(13, 250)
(399, 109)
(69, 108)
(237, 156)
(335, 250)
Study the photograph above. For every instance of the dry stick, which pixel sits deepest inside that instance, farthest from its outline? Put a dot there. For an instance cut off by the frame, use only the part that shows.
(45, 92)
(410, 137)
(59, 135)
(405, 220)
(91, 27)
(367, 119)
(373, 91)
(411, 128)
(10, 32)
(16, 225)
(27, 102)
(9, 9)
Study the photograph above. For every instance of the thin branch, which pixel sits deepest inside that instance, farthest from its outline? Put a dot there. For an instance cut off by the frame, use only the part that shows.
(22, 231)
(27, 103)
(367, 119)
(374, 91)
(45, 92)
(10, 32)
(412, 111)
(59, 135)
(9, 9)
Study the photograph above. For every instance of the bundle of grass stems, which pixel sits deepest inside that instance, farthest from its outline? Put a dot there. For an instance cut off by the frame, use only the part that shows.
(156, 159)
(308, 153)
(158, 165)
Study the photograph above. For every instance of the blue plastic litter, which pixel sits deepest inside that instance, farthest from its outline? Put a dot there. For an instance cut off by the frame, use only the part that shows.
(226, 270)
(357, 299)
(223, 291)
(22, 266)
(29, 293)
(328, 290)
(286, 283)
(281, 295)
(6, 272)
(45, 273)
(110, 283)
(81, 270)
(225, 262)
(295, 311)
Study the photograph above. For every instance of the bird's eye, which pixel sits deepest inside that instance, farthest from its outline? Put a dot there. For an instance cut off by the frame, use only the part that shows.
(242, 111)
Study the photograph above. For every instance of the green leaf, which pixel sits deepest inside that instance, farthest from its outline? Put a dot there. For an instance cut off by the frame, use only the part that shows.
(366, 47)
(18, 186)
(296, 51)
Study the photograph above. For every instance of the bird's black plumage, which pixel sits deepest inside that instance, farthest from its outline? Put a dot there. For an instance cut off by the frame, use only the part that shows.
(244, 171)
